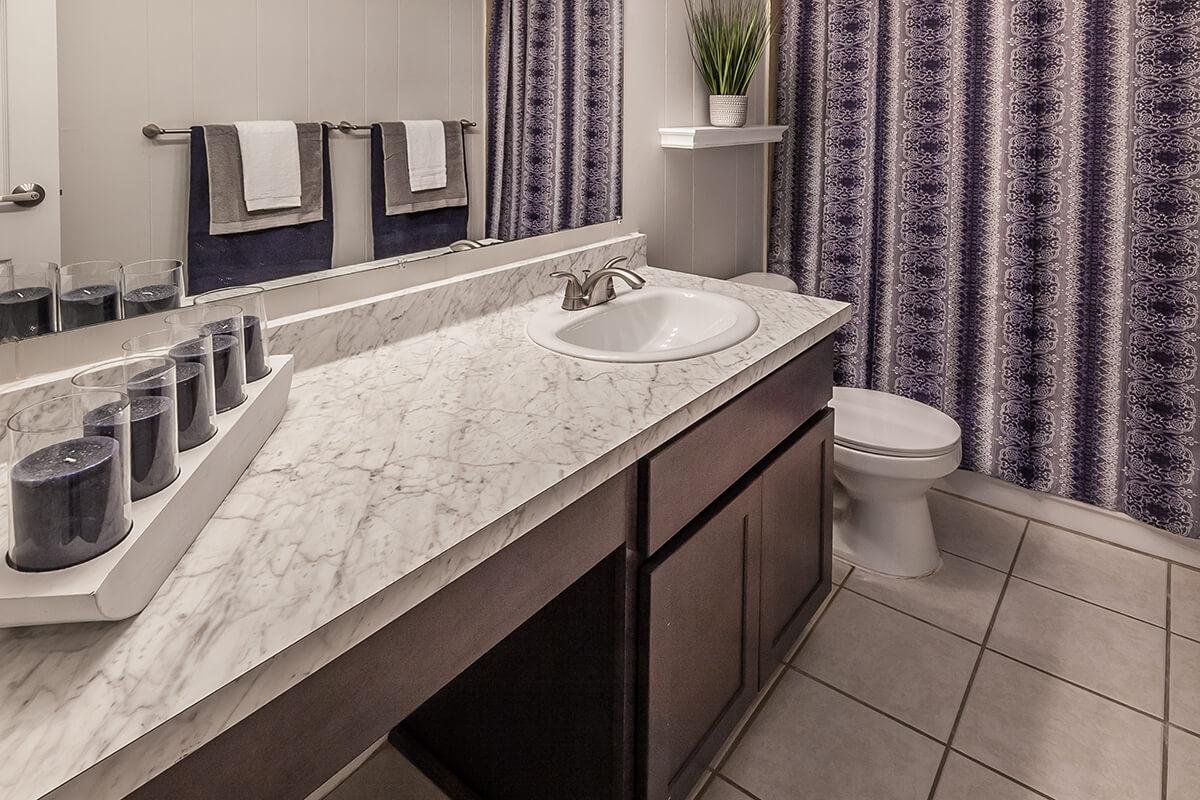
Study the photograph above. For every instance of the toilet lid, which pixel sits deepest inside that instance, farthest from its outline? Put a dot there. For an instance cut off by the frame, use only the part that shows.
(890, 425)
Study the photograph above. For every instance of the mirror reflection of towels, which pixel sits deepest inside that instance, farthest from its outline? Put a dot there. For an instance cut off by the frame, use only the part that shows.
(270, 164)
(401, 198)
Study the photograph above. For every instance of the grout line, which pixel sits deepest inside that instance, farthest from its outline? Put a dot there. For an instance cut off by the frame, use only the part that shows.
(914, 616)
(719, 777)
(737, 736)
(1070, 682)
(1056, 527)
(865, 704)
(1009, 778)
(962, 706)
(1167, 688)
(1092, 603)
(1178, 635)
(1182, 729)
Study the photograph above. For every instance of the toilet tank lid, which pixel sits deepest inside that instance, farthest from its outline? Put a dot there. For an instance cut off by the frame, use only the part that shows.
(890, 425)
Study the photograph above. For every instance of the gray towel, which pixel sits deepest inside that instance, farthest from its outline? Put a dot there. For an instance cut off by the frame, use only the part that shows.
(400, 199)
(227, 195)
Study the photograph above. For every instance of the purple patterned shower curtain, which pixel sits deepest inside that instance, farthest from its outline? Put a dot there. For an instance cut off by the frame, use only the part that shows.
(554, 115)
(1008, 191)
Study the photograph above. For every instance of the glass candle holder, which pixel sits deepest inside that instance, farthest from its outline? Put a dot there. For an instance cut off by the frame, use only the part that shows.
(27, 305)
(89, 293)
(152, 286)
(191, 351)
(153, 431)
(69, 493)
(252, 301)
(224, 324)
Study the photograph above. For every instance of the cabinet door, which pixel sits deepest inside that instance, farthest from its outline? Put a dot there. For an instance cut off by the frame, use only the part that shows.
(699, 634)
(797, 540)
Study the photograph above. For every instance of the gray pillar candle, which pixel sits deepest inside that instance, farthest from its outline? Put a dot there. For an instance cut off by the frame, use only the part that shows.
(26, 312)
(194, 410)
(153, 448)
(252, 335)
(68, 504)
(228, 367)
(152, 298)
(88, 305)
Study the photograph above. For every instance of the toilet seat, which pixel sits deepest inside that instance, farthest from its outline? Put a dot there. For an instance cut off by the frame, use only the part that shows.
(888, 425)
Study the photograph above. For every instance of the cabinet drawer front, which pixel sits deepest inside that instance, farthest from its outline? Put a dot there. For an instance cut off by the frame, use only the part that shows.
(700, 632)
(686, 475)
(797, 540)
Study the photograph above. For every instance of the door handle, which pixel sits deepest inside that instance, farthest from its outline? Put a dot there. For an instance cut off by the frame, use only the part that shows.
(27, 195)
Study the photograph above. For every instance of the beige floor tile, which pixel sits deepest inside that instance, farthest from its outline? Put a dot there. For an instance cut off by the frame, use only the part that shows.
(1183, 766)
(386, 774)
(904, 667)
(1122, 580)
(976, 532)
(1057, 738)
(840, 570)
(719, 789)
(1185, 684)
(808, 742)
(963, 779)
(959, 597)
(1109, 653)
(1185, 602)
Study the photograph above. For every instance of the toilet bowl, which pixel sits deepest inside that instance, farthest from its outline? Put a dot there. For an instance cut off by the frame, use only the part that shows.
(888, 452)
(768, 280)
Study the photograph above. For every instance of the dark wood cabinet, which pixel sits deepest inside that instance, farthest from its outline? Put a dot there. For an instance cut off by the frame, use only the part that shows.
(699, 624)
(724, 600)
(797, 556)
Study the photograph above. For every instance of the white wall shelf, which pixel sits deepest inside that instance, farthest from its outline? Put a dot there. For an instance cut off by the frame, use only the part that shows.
(702, 138)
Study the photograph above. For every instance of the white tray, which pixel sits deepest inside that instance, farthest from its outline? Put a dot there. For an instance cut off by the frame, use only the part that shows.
(120, 583)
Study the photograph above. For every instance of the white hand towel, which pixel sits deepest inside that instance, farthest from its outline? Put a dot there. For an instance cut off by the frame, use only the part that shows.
(426, 154)
(270, 164)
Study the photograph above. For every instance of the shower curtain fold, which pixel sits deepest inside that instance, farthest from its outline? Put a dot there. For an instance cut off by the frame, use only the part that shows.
(1008, 191)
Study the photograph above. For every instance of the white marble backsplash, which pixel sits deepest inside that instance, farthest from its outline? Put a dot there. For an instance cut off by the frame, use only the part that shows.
(321, 336)
(425, 433)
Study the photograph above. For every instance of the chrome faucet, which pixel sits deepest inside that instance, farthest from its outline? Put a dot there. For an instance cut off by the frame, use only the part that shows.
(463, 245)
(596, 288)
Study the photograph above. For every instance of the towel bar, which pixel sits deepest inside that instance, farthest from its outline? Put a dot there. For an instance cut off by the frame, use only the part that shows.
(153, 131)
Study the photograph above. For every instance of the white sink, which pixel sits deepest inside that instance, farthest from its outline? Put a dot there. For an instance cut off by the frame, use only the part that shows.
(646, 326)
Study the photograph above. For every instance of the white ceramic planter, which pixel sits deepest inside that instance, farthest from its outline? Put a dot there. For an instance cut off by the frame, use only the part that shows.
(727, 110)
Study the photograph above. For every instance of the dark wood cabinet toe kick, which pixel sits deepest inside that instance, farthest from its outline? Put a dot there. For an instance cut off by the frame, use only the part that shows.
(606, 654)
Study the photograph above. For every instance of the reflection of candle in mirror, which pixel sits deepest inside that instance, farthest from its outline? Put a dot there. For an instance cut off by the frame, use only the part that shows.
(152, 298)
(229, 369)
(193, 402)
(26, 312)
(88, 305)
(68, 504)
(252, 335)
(153, 448)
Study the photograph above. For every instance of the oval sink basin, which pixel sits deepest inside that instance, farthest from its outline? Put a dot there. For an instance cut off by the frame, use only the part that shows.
(646, 326)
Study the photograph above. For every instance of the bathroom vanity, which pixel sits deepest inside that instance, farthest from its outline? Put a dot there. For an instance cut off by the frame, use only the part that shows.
(541, 576)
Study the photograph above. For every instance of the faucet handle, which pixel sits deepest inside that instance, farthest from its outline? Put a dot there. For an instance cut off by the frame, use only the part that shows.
(574, 298)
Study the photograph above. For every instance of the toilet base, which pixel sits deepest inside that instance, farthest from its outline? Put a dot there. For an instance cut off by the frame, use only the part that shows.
(890, 536)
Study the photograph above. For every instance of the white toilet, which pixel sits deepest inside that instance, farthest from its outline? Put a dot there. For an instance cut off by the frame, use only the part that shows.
(888, 452)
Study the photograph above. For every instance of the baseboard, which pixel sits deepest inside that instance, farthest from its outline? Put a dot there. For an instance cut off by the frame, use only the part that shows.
(1096, 522)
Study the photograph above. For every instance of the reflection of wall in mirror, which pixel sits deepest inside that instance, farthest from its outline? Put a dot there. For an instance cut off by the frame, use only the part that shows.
(190, 62)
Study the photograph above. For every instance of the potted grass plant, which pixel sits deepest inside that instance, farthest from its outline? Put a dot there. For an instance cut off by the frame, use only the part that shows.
(728, 38)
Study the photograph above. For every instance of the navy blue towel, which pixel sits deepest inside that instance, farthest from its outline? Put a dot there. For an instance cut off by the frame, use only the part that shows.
(409, 233)
(240, 259)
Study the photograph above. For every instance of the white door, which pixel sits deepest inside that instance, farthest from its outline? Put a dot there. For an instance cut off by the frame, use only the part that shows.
(29, 128)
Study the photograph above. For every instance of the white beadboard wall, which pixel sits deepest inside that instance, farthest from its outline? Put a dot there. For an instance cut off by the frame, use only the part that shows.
(124, 63)
(704, 211)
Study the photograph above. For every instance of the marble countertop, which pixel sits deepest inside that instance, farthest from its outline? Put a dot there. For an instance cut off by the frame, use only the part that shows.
(394, 472)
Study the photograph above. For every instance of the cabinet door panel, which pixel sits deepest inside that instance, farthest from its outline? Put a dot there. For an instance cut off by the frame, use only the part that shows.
(700, 613)
(797, 532)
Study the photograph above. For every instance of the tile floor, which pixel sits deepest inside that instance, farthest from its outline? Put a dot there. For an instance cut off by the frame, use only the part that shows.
(1037, 663)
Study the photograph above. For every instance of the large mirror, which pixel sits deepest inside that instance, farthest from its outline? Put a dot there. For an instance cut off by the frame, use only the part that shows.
(160, 149)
